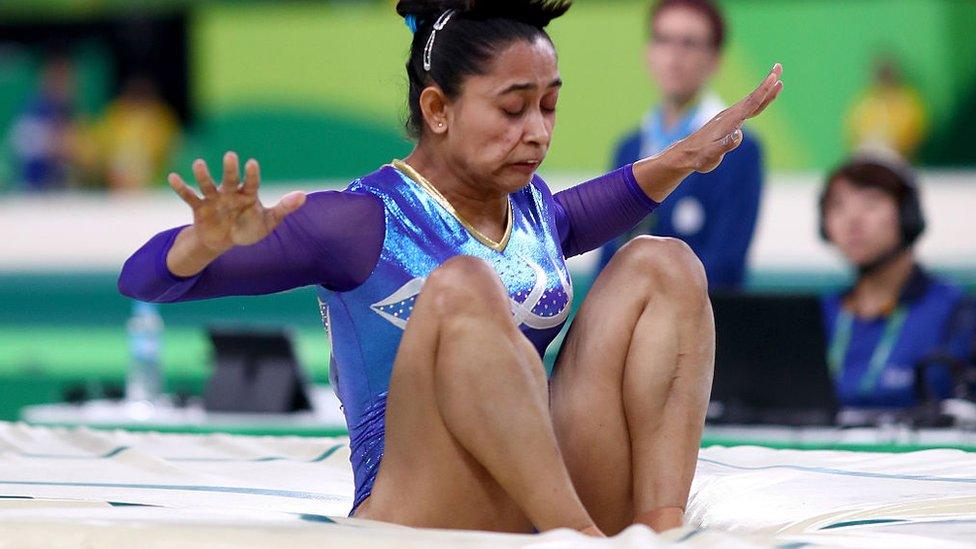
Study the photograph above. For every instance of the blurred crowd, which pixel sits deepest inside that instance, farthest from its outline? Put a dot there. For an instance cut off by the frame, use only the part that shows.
(125, 144)
(126, 147)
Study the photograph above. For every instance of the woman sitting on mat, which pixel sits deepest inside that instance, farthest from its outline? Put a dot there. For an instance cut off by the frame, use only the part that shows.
(442, 280)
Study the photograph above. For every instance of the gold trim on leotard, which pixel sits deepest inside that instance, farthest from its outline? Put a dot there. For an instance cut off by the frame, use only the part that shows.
(427, 186)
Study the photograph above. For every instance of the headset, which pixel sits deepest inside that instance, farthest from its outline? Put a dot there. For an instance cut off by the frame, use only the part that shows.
(910, 215)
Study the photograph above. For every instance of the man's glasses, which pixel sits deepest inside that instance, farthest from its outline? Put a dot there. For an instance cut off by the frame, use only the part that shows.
(682, 43)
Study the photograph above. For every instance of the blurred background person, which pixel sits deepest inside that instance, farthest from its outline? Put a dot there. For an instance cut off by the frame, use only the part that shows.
(897, 314)
(43, 136)
(136, 136)
(715, 213)
(889, 116)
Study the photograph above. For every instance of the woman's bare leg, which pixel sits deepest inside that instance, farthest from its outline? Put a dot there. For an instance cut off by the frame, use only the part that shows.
(469, 438)
(632, 384)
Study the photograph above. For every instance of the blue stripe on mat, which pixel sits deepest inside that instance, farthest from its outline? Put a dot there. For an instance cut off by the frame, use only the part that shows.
(316, 518)
(308, 517)
(116, 451)
(863, 522)
(842, 472)
(125, 504)
(186, 488)
(689, 535)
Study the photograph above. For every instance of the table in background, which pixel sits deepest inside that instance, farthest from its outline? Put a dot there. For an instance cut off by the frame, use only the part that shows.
(889, 438)
(325, 419)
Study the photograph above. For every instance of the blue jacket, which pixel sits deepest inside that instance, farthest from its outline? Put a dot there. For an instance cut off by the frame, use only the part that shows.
(715, 212)
(938, 320)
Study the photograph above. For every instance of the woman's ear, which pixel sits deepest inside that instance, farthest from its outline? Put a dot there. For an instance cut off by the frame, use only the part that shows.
(433, 103)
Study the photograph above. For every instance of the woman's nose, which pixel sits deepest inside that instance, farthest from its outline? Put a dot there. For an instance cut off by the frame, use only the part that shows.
(537, 129)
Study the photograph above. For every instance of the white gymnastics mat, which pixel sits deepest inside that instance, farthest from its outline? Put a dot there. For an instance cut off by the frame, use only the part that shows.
(115, 489)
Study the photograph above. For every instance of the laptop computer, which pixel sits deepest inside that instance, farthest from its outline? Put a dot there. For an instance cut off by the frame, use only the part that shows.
(770, 361)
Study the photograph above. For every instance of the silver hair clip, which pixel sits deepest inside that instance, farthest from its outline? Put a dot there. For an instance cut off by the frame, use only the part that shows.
(438, 25)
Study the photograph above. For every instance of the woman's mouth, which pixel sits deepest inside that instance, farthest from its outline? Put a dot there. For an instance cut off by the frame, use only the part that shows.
(529, 166)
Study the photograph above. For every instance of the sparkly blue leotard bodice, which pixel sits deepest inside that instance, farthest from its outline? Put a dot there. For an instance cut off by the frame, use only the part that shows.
(366, 324)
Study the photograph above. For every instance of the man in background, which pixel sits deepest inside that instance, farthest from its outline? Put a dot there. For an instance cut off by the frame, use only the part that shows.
(43, 138)
(715, 213)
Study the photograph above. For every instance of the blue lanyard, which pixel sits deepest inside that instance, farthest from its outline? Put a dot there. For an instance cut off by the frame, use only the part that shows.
(841, 342)
(661, 138)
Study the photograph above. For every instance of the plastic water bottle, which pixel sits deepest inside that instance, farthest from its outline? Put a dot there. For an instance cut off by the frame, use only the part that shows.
(145, 329)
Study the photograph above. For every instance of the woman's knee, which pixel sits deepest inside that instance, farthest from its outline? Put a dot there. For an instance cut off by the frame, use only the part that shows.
(667, 263)
(465, 283)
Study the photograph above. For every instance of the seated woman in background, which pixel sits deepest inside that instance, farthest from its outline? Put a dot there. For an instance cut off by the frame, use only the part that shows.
(897, 315)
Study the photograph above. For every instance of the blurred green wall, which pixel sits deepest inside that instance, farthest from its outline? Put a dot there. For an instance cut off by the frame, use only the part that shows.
(337, 69)
(316, 89)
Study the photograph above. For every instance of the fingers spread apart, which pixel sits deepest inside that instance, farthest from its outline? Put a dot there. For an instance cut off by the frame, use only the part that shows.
(202, 175)
(252, 177)
(184, 191)
(232, 173)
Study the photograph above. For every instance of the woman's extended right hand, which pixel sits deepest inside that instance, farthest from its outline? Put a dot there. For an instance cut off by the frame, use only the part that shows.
(231, 214)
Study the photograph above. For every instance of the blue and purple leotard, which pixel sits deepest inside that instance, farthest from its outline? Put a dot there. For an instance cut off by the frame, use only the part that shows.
(368, 250)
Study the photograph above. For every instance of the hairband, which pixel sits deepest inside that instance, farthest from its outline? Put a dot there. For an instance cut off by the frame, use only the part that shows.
(438, 25)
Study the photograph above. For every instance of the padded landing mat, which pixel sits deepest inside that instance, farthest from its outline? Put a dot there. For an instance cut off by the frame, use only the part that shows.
(84, 488)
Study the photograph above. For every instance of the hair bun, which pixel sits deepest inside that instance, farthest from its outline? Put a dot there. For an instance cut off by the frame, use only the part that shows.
(538, 13)
(426, 9)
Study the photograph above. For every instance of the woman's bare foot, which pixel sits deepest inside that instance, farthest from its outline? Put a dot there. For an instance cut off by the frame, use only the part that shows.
(592, 530)
(661, 519)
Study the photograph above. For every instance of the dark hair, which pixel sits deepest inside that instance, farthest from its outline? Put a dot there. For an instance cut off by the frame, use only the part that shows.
(894, 179)
(871, 174)
(706, 8)
(478, 30)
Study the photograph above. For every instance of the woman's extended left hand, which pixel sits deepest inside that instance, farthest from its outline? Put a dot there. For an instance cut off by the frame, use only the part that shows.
(704, 150)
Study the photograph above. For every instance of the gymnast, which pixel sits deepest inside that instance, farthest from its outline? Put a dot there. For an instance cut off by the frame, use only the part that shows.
(442, 279)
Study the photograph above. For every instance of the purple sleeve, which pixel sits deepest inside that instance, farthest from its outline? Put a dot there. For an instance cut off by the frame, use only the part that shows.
(334, 240)
(597, 211)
